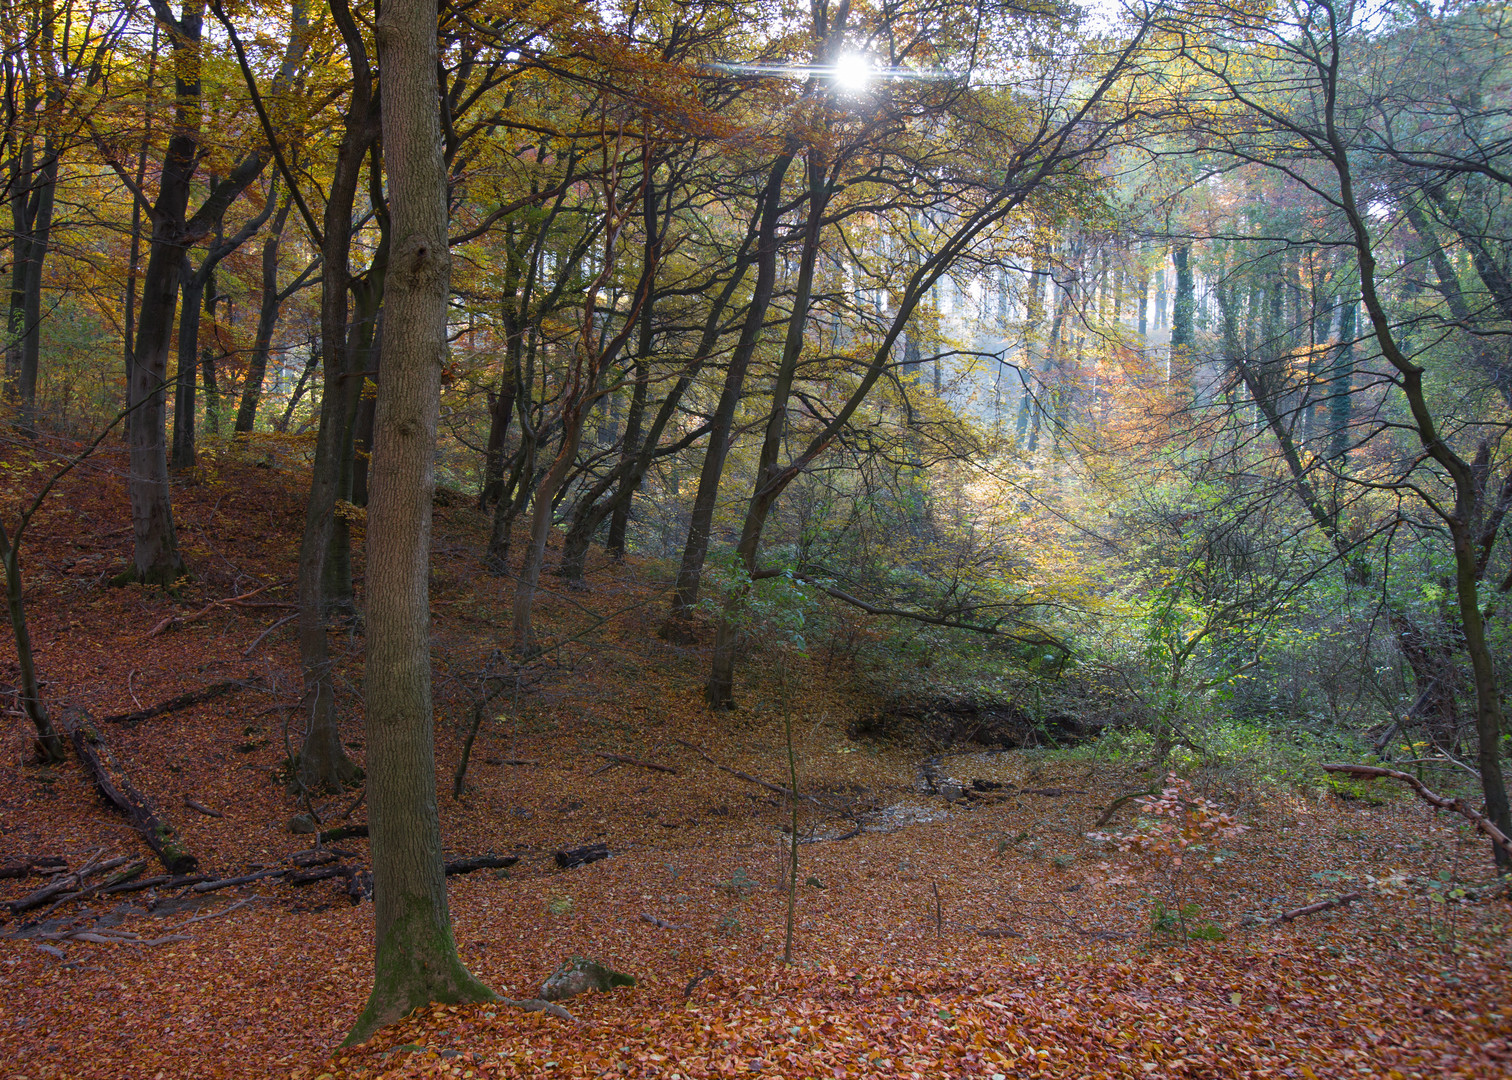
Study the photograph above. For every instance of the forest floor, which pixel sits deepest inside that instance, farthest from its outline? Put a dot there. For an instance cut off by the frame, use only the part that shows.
(979, 938)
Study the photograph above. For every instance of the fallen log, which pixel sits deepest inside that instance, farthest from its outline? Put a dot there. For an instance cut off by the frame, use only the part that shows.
(60, 888)
(571, 858)
(202, 808)
(661, 924)
(356, 887)
(621, 759)
(1321, 905)
(135, 886)
(1459, 806)
(343, 832)
(226, 883)
(117, 790)
(31, 864)
(313, 858)
(183, 701)
(483, 862)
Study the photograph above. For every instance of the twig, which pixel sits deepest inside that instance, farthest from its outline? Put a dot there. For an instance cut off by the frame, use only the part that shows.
(661, 923)
(175, 620)
(939, 917)
(1107, 815)
(216, 914)
(226, 883)
(830, 839)
(183, 701)
(259, 640)
(621, 759)
(747, 777)
(1321, 905)
(1459, 806)
(202, 808)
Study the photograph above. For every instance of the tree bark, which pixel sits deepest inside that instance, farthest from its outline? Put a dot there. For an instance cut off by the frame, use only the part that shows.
(416, 958)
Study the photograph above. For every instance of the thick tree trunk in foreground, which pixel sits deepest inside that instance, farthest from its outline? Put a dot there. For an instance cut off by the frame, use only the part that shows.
(416, 960)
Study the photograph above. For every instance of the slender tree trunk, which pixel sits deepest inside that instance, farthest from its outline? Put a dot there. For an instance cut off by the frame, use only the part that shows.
(416, 958)
(267, 320)
(689, 575)
(49, 743)
(157, 558)
(323, 762)
(500, 413)
(134, 270)
(30, 253)
(619, 512)
(1183, 335)
(720, 688)
(540, 527)
(192, 291)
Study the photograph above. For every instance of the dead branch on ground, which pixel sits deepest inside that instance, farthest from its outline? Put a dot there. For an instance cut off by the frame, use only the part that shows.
(1459, 806)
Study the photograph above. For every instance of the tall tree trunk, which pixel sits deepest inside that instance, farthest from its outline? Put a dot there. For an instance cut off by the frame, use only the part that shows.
(134, 270)
(720, 688)
(521, 632)
(416, 958)
(192, 291)
(157, 559)
(323, 761)
(689, 575)
(1183, 334)
(33, 230)
(1341, 382)
(267, 320)
(500, 411)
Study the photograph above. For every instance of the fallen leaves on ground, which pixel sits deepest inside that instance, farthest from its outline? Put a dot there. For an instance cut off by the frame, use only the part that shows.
(971, 939)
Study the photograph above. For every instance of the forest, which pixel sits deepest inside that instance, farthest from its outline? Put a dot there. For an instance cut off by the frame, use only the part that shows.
(704, 538)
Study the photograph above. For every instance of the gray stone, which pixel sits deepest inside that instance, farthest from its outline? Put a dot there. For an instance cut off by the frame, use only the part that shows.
(579, 975)
(301, 824)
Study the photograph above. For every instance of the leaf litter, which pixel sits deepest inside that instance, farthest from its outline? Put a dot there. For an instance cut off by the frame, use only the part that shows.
(984, 938)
